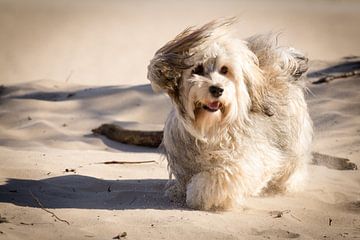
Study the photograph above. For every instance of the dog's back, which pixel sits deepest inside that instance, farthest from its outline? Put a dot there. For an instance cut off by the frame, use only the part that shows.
(285, 106)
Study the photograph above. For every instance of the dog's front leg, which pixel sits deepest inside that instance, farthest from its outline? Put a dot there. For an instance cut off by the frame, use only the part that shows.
(214, 189)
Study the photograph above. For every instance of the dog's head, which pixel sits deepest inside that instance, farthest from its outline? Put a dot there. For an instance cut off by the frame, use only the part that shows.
(212, 78)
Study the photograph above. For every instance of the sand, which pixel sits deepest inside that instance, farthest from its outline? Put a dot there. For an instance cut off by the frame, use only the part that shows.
(69, 67)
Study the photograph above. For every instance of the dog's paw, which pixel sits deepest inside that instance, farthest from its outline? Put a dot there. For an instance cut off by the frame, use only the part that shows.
(197, 196)
(212, 191)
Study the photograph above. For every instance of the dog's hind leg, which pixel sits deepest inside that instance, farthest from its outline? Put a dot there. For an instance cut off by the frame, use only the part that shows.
(291, 178)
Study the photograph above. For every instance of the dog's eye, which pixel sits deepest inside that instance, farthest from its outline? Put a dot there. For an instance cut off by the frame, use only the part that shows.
(199, 70)
(224, 70)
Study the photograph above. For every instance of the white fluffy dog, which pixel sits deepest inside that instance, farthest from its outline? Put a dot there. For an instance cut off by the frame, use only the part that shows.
(240, 125)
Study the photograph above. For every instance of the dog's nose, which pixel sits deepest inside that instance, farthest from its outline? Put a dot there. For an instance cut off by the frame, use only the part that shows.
(216, 91)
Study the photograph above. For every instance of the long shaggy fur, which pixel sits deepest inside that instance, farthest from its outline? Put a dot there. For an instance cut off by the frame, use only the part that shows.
(251, 140)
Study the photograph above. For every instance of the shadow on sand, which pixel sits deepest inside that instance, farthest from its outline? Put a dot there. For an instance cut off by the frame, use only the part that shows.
(95, 92)
(83, 192)
(347, 66)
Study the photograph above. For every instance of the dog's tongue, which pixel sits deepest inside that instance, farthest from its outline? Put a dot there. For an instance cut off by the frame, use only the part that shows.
(214, 105)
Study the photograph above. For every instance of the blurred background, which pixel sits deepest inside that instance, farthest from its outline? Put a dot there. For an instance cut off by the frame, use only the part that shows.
(110, 42)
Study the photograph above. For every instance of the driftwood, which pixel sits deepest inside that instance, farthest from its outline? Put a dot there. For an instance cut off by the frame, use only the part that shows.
(153, 139)
(329, 78)
(333, 162)
(132, 137)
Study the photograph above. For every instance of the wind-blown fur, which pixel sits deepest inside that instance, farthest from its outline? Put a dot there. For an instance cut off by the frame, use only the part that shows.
(251, 140)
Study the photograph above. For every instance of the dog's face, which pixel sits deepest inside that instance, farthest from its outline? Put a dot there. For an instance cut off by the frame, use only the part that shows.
(207, 77)
(213, 91)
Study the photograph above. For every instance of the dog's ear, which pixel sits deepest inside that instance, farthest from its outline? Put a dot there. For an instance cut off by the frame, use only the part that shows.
(293, 62)
(165, 71)
(273, 60)
(166, 68)
(285, 60)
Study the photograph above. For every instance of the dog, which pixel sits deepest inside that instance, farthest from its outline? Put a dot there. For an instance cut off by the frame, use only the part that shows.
(239, 125)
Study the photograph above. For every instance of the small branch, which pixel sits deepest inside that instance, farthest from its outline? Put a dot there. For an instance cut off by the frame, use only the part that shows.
(293, 216)
(27, 224)
(69, 76)
(278, 214)
(125, 162)
(46, 210)
(330, 78)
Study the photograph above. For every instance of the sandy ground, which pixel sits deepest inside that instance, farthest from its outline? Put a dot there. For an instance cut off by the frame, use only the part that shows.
(95, 43)
(68, 67)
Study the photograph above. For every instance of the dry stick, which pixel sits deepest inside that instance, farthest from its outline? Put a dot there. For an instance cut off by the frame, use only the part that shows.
(332, 162)
(279, 214)
(329, 78)
(125, 162)
(293, 216)
(154, 138)
(46, 210)
(69, 76)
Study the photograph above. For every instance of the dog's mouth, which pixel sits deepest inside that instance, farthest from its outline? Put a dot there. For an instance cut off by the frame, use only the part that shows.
(210, 106)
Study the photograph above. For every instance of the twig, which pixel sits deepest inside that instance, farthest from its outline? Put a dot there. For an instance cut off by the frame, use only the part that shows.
(125, 162)
(295, 217)
(46, 210)
(27, 224)
(69, 76)
(279, 214)
(132, 201)
(330, 78)
(32, 224)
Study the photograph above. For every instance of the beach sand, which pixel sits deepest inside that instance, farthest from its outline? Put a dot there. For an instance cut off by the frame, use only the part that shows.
(71, 66)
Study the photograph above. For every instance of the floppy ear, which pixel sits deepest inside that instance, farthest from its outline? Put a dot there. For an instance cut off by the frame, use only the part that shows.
(293, 62)
(163, 75)
(286, 60)
(273, 61)
(166, 68)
